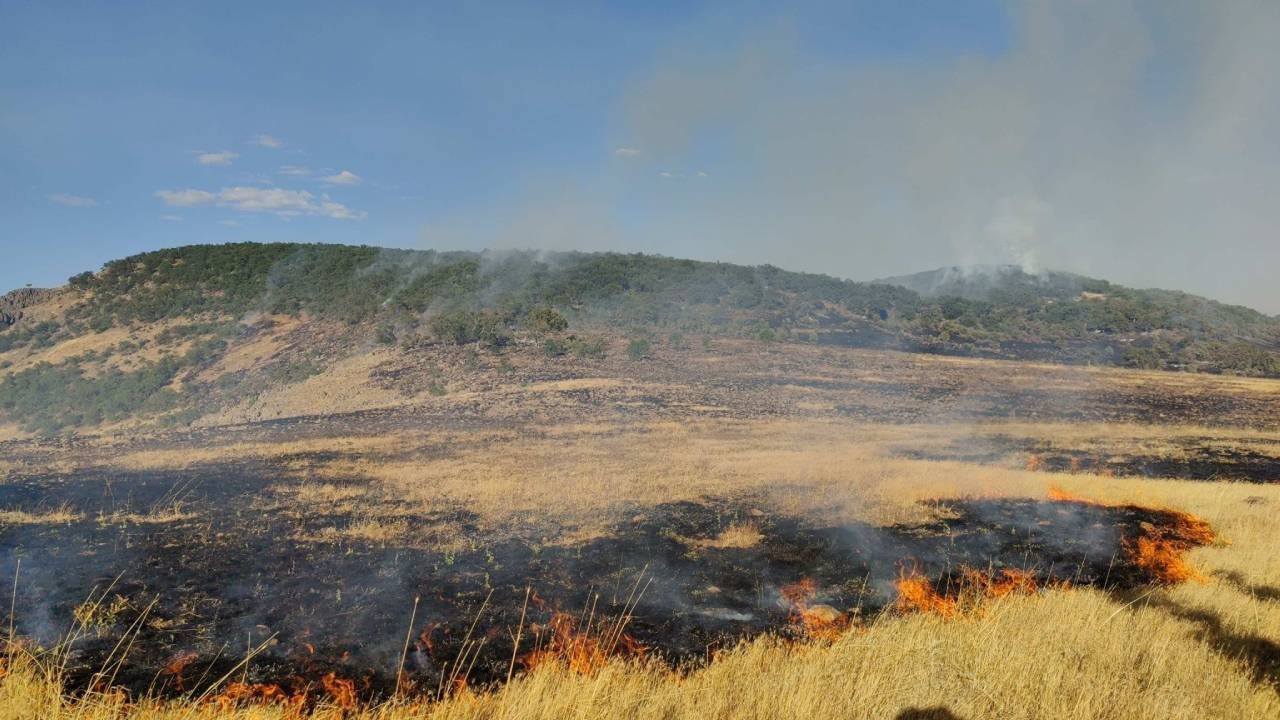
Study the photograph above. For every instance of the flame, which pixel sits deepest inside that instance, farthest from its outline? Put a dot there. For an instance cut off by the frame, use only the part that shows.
(816, 621)
(241, 693)
(1058, 494)
(1035, 462)
(177, 666)
(1159, 550)
(582, 652)
(426, 639)
(917, 594)
(800, 592)
(1008, 582)
(342, 691)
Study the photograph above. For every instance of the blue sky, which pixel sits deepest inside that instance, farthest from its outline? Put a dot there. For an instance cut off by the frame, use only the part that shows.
(682, 128)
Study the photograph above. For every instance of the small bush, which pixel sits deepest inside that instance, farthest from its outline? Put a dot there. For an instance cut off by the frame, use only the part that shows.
(81, 281)
(588, 348)
(638, 349)
(466, 326)
(552, 347)
(385, 335)
(291, 372)
(547, 320)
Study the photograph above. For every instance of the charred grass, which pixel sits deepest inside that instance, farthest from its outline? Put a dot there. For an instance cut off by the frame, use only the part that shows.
(753, 561)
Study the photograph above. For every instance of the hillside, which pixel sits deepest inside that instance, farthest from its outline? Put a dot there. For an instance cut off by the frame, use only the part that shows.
(186, 333)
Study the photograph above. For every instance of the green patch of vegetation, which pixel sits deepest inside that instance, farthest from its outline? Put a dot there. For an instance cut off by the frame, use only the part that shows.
(591, 347)
(547, 320)
(464, 298)
(639, 349)
(46, 398)
(469, 326)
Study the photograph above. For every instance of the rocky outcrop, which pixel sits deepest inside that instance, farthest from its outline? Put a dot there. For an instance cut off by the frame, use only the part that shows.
(13, 304)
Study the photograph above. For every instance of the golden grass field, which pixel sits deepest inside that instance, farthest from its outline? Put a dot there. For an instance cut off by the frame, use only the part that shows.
(1202, 649)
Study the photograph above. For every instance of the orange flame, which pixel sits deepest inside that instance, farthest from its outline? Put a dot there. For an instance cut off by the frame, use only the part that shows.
(581, 652)
(1160, 551)
(917, 594)
(1008, 582)
(815, 621)
(240, 693)
(342, 691)
(1058, 494)
(177, 666)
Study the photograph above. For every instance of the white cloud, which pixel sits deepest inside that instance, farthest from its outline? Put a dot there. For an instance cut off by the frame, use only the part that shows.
(255, 199)
(171, 218)
(185, 198)
(228, 223)
(295, 170)
(216, 158)
(267, 141)
(338, 211)
(72, 200)
(626, 152)
(244, 198)
(346, 177)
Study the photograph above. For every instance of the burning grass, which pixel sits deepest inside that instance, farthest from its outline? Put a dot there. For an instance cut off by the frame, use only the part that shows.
(751, 573)
(812, 608)
(1160, 550)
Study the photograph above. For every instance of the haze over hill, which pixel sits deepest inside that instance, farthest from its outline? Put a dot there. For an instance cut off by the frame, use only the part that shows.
(174, 333)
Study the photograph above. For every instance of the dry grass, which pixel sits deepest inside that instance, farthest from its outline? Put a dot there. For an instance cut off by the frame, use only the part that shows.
(1199, 650)
(170, 514)
(46, 517)
(737, 535)
(1188, 652)
(1073, 654)
(367, 529)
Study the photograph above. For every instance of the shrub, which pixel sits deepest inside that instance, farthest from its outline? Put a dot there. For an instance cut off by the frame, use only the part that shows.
(467, 326)
(81, 281)
(1144, 358)
(385, 335)
(590, 348)
(638, 349)
(547, 320)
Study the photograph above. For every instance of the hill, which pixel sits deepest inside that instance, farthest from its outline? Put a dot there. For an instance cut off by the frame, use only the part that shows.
(179, 333)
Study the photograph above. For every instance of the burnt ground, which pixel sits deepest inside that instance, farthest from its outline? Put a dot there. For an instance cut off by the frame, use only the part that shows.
(225, 577)
(1197, 458)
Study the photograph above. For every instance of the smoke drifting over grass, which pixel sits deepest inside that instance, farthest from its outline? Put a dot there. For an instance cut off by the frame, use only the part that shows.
(1128, 140)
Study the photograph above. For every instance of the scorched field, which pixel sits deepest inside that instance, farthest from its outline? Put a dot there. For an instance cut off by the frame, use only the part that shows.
(743, 529)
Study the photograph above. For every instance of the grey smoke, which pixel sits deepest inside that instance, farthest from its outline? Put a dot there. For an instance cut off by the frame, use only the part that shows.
(1135, 141)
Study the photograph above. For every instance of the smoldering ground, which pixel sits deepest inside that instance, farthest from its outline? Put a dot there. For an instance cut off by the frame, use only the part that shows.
(195, 591)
